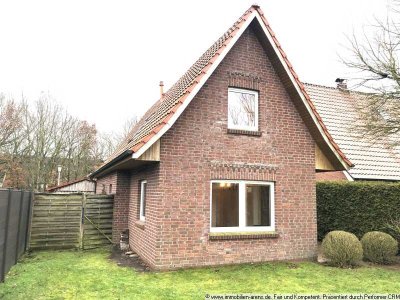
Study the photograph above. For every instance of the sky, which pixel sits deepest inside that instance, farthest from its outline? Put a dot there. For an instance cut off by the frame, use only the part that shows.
(103, 60)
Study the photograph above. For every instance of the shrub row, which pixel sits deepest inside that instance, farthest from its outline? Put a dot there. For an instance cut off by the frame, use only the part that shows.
(344, 249)
(357, 207)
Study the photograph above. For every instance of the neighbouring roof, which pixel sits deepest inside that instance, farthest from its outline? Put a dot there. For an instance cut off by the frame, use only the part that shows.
(64, 184)
(165, 111)
(338, 109)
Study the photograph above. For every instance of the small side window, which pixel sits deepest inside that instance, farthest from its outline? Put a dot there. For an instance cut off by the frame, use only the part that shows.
(143, 187)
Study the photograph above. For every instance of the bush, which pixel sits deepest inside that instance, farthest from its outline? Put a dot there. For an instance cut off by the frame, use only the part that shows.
(342, 248)
(379, 247)
(357, 207)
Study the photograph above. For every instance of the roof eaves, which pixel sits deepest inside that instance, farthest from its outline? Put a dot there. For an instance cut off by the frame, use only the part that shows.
(111, 162)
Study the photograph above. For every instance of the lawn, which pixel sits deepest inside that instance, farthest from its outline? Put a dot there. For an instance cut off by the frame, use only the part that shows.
(91, 275)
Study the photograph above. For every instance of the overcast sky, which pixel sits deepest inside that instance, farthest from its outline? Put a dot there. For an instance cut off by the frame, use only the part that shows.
(103, 60)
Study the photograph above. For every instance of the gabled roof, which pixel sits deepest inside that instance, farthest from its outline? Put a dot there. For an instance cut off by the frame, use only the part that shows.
(162, 115)
(338, 109)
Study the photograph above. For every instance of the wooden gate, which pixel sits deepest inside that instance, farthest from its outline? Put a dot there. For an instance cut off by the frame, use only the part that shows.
(78, 220)
(97, 221)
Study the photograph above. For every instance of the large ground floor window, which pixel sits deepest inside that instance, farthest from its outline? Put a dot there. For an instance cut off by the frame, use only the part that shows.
(242, 206)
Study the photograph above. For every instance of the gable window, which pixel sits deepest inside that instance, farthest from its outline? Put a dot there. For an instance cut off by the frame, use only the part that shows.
(142, 210)
(242, 206)
(242, 109)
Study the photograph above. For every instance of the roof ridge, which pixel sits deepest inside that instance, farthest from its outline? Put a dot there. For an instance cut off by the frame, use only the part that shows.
(319, 85)
(335, 88)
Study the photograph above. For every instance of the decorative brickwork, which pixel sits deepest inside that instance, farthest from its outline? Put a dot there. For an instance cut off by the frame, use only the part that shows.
(242, 80)
(243, 171)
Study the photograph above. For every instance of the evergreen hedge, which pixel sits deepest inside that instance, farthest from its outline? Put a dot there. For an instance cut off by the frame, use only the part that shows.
(356, 207)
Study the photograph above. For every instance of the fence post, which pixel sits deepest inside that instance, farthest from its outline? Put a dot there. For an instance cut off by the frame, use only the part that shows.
(29, 227)
(19, 227)
(82, 221)
(3, 268)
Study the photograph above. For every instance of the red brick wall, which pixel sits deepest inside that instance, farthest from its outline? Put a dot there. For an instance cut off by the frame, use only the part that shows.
(103, 184)
(330, 176)
(143, 235)
(176, 229)
(121, 205)
(120, 182)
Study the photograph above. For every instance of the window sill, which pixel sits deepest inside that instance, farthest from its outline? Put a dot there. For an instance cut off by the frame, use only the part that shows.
(244, 132)
(242, 235)
(140, 224)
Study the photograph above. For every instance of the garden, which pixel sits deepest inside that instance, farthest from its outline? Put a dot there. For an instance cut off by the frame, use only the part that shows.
(358, 228)
(359, 221)
(93, 275)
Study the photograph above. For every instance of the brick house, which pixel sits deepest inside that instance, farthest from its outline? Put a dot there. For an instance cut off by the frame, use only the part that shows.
(221, 169)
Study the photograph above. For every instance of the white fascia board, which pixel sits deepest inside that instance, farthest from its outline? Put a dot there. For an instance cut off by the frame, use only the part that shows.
(348, 176)
(375, 177)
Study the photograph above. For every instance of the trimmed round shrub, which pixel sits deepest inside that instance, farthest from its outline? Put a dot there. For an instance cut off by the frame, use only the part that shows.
(379, 247)
(342, 248)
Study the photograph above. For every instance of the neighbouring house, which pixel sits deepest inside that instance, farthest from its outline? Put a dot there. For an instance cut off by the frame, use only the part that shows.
(84, 185)
(373, 160)
(221, 169)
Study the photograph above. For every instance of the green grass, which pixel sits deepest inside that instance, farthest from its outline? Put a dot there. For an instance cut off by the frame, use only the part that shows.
(91, 275)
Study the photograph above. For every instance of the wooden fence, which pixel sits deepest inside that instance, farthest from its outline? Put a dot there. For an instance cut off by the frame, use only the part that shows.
(71, 221)
(15, 211)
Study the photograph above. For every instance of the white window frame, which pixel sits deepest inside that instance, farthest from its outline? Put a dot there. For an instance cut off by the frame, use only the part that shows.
(142, 189)
(241, 127)
(242, 207)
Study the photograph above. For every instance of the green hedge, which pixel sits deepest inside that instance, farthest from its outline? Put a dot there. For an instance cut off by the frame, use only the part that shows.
(356, 207)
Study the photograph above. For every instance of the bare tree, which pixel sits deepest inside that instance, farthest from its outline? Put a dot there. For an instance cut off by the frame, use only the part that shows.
(375, 58)
(127, 128)
(10, 120)
(107, 142)
(36, 138)
(10, 125)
